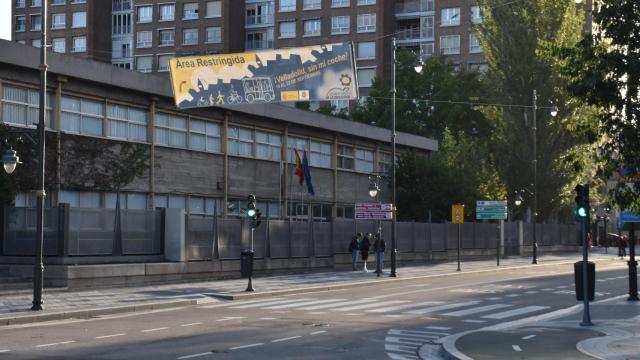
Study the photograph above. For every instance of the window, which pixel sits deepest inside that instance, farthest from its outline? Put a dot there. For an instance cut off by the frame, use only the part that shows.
(260, 40)
(450, 44)
(79, 44)
(21, 23)
(298, 144)
(170, 201)
(240, 141)
(144, 39)
(366, 23)
(204, 206)
(166, 37)
(81, 116)
(137, 201)
(298, 211)
(320, 154)
(476, 16)
(57, 21)
(163, 62)
(426, 50)
(35, 43)
(204, 136)
(190, 37)
(312, 27)
(384, 162)
(167, 12)
(339, 25)
(364, 161)
(171, 130)
(20, 106)
(366, 50)
(339, 3)
(288, 29)
(345, 157)
(214, 9)
(127, 123)
(36, 23)
(57, 2)
(268, 145)
(20, 4)
(474, 44)
(79, 19)
(78, 1)
(36, 3)
(365, 77)
(259, 13)
(340, 105)
(58, 45)
(344, 212)
(145, 14)
(311, 4)
(121, 5)
(144, 63)
(80, 199)
(287, 5)
(366, 2)
(321, 212)
(214, 35)
(121, 24)
(190, 11)
(450, 17)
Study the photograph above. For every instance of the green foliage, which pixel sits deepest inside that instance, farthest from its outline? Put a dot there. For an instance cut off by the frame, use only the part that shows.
(604, 71)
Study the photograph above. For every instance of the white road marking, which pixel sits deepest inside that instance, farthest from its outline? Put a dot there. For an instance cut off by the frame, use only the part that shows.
(268, 318)
(531, 292)
(402, 356)
(317, 312)
(428, 318)
(376, 304)
(353, 314)
(54, 344)
(229, 318)
(325, 306)
(194, 355)
(267, 303)
(512, 295)
(476, 310)
(397, 294)
(110, 336)
(403, 341)
(441, 307)
(548, 289)
(515, 312)
(400, 348)
(191, 324)
(495, 298)
(528, 337)
(281, 311)
(562, 287)
(437, 328)
(303, 303)
(285, 339)
(404, 306)
(417, 333)
(246, 346)
(393, 315)
(516, 348)
(231, 303)
(4, 350)
(318, 332)
(474, 321)
(156, 329)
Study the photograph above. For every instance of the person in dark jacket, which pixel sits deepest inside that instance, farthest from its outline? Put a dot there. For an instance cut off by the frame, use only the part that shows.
(354, 248)
(379, 246)
(366, 245)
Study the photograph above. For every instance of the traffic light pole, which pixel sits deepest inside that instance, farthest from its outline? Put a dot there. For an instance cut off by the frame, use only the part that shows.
(534, 243)
(394, 210)
(250, 284)
(633, 266)
(586, 316)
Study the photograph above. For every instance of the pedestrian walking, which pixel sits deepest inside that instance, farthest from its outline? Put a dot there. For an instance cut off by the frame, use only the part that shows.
(589, 240)
(354, 248)
(622, 246)
(366, 246)
(379, 246)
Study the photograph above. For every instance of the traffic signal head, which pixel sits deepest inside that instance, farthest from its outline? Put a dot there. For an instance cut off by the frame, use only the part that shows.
(582, 200)
(256, 218)
(251, 206)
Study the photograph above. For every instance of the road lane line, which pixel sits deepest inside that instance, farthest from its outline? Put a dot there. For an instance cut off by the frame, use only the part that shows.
(194, 355)
(246, 346)
(285, 339)
(4, 350)
(267, 303)
(437, 328)
(325, 306)
(516, 348)
(318, 332)
(528, 337)
(54, 344)
(229, 318)
(404, 306)
(110, 336)
(417, 333)
(442, 307)
(476, 310)
(233, 303)
(156, 329)
(268, 318)
(191, 324)
(515, 312)
(472, 321)
(303, 303)
(376, 304)
(317, 312)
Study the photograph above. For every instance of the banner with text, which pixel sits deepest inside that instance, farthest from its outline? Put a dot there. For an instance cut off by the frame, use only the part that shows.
(323, 72)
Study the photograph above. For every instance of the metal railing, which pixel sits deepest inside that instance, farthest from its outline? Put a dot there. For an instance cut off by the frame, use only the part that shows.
(414, 6)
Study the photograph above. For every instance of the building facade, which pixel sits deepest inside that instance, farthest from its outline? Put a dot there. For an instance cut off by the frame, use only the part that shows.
(203, 160)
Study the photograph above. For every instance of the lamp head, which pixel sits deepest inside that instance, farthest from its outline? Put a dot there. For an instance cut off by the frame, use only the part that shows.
(10, 160)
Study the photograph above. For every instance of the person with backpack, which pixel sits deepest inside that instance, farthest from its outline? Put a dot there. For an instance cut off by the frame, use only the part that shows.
(366, 245)
(354, 248)
(379, 246)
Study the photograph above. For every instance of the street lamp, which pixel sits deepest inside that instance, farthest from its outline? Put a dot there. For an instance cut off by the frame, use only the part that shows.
(9, 160)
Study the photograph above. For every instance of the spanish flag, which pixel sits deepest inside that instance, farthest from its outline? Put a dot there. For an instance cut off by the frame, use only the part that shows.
(299, 170)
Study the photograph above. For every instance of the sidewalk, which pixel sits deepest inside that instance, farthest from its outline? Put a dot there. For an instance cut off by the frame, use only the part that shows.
(14, 309)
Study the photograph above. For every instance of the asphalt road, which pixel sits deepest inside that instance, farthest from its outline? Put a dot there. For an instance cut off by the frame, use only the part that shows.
(387, 321)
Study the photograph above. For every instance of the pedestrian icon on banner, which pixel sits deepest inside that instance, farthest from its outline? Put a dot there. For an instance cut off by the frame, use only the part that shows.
(457, 214)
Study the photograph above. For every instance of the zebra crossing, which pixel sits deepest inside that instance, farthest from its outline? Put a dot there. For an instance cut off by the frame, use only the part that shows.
(483, 311)
(404, 344)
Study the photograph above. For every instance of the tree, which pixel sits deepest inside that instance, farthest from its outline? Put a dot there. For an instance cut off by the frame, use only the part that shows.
(515, 37)
(604, 71)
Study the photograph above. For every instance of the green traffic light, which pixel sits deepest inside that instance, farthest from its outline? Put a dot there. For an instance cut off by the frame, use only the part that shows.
(251, 212)
(582, 212)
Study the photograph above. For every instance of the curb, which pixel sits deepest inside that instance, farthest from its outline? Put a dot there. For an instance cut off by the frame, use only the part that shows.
(369, 282)
(86, 314)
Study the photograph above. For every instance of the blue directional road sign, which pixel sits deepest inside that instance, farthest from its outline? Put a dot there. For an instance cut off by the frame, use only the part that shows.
(628, 216)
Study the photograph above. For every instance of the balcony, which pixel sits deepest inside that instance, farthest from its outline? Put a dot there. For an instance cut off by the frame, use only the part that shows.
(259, 20)
(414, 7)
(414, 35)
(259, 44)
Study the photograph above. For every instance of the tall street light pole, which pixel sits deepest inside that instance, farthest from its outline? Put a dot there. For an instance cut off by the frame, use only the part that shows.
(534, 243)
(394, 211)
(38, 267)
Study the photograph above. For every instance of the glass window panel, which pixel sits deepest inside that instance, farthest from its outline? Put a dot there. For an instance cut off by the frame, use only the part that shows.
(160, 201)
(69, 197)
(90, 200)
(177, 202)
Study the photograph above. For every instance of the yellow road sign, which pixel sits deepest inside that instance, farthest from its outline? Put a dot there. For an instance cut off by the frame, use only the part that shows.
(457, 214)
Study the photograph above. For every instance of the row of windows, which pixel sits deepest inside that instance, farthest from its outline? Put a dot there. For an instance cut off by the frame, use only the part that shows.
(58, 21)
(451, 16)
(36, 3)
(290, 5)
(450, 44)
(166, 37)
(87, 117)
(339, 25)
(190, 11)
(195, 205)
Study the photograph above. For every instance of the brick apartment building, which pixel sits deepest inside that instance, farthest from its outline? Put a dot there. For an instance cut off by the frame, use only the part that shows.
(144, 34)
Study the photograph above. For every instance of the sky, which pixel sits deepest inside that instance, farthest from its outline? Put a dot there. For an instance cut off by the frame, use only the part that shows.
(5, 19)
